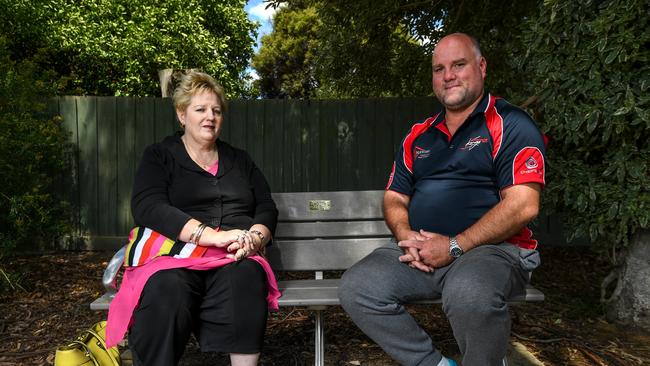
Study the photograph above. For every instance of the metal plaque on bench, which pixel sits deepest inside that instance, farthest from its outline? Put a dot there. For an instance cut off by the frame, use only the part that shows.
(320, 205)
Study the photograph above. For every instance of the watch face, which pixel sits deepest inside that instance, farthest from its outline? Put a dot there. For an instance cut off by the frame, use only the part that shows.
(455, 252)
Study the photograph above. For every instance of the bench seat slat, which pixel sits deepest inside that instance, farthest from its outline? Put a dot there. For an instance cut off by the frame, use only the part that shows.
(102, 302)
(324, 292)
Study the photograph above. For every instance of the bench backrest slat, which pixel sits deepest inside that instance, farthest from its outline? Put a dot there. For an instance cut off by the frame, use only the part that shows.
(331, 229)
(329, 206)
(320, 255)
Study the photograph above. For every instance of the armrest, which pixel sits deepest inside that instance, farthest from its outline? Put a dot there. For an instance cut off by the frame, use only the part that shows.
(110, 273)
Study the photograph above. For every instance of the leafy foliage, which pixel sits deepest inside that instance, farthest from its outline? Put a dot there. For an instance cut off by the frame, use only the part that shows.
(589, 63)
(116, 47)
(285, 62)
(383, 47)
(32, 156)
(363, 54)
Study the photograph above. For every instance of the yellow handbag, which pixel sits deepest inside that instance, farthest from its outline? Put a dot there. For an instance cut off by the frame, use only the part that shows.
(89, 349)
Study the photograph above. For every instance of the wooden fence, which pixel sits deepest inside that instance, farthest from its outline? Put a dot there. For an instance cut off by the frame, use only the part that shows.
(300, 145)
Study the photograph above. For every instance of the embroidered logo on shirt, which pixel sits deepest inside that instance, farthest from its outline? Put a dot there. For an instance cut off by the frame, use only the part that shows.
(421, 153)
(531, 163)
(474, 142)
(528, 166)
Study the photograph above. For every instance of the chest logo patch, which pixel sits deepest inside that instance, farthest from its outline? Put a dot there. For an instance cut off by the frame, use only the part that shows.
(474, 142)
(421, 153)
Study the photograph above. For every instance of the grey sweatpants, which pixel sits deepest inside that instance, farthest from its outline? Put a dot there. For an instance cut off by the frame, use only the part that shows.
(474, 290)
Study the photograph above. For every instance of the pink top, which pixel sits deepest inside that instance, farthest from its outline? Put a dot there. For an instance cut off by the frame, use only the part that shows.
(120, 312)
(213, 169)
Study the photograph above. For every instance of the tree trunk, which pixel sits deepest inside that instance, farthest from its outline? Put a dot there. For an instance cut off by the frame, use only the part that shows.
(169, 79)
(630, 302)
(165, 78)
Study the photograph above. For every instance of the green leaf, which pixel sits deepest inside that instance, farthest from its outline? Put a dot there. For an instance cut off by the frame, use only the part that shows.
(591, 125)
(593, 232)
(602, 43)
(611, 56)
(612, 211)
(610, 169)
(621, 111)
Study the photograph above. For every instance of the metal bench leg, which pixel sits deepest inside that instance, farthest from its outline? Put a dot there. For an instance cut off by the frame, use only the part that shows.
(319, 340)
(319, 336)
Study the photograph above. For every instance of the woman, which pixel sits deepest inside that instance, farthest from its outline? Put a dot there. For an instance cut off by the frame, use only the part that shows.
(204, 210)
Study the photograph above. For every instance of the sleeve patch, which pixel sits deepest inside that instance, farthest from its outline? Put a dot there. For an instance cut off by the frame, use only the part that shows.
(528, 166)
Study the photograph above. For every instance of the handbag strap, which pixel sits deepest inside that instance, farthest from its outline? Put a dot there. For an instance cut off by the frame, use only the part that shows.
(103, 345)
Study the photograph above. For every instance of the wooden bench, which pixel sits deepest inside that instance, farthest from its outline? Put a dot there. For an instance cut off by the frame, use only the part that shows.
(317, 232)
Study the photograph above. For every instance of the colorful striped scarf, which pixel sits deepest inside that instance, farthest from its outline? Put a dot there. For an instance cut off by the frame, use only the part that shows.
(146, 244)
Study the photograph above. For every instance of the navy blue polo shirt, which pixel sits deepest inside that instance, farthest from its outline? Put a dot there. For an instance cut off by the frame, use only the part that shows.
(454, 181)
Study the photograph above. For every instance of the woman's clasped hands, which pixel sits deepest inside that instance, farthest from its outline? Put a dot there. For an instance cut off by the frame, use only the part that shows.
(241, 244)
(238, 243)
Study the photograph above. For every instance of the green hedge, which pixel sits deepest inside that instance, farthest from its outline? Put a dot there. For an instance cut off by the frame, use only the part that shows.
(589, 64)
(33, 158)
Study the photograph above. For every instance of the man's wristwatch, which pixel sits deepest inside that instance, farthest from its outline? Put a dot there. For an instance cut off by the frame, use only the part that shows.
(455, 250)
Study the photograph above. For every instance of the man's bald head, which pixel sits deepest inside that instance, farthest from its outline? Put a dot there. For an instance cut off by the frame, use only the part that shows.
(464, 37)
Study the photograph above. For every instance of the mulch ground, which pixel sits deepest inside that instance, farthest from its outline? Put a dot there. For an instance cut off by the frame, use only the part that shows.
(49, 306)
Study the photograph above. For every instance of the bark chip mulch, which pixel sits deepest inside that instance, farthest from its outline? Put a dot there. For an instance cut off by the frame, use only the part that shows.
(49, 306)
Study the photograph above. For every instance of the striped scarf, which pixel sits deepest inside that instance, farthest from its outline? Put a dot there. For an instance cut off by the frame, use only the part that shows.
(146, 244)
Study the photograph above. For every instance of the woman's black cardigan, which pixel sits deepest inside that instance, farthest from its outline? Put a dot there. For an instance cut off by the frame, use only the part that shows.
(170, 189)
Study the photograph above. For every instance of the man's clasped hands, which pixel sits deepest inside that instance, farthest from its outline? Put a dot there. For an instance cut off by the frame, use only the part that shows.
(425, 250)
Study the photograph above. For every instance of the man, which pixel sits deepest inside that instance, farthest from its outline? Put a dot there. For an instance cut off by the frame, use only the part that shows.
(464, 185)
